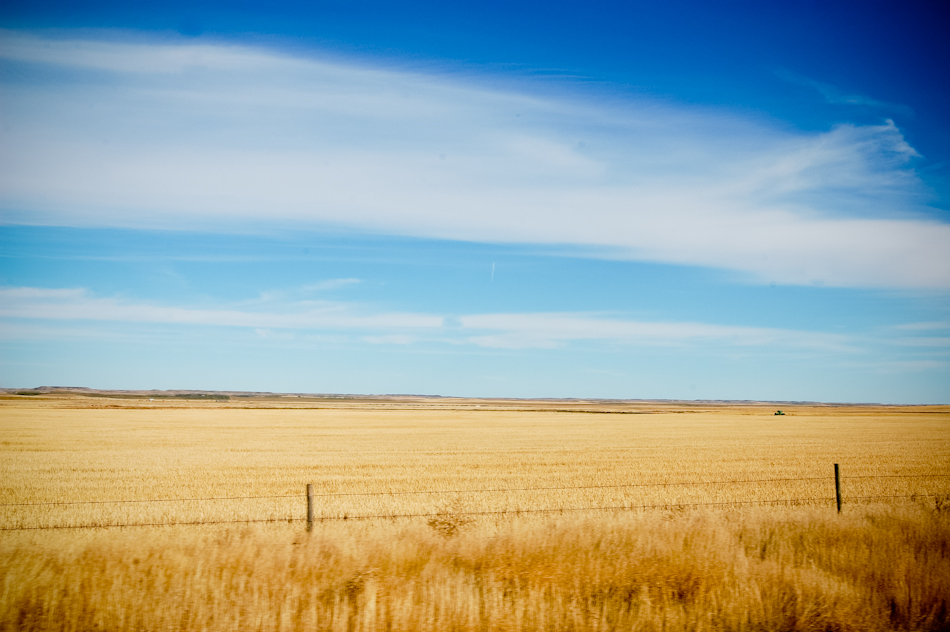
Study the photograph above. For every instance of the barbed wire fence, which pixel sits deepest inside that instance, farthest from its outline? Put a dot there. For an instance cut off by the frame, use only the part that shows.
(941, 501)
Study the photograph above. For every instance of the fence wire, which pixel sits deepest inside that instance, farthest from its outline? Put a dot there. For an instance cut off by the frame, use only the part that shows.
(509, 512)
(434, 491)
(512, 512)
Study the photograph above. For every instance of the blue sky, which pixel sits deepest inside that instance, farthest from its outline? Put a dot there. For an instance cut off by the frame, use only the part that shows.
(664, 200)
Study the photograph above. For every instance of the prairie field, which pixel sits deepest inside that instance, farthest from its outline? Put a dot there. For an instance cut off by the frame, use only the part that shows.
(453, 514)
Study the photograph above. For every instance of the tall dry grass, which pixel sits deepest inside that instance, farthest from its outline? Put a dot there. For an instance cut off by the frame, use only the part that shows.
(875, 567)
(788, 569)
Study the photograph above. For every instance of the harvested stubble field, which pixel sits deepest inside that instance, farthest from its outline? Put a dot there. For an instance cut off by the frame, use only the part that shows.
(715, 555)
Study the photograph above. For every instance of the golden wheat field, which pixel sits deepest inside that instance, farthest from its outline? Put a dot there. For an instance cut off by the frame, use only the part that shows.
(451, 514)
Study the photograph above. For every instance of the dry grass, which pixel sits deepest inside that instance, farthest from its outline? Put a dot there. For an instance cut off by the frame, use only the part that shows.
(876, 567)
(789, 569)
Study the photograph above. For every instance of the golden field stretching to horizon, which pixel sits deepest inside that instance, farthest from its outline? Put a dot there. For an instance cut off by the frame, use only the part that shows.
(532, 515)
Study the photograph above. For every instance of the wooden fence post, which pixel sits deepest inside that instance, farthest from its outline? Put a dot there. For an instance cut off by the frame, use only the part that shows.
(310, 506)
(838, 486)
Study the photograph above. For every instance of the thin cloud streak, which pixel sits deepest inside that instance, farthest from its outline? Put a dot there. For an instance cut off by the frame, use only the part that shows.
(933, 325)
(551, 330)
(75, 304)
(835, 96)
(507, 331)
(330, 284)
(932, 342)
(213, 134)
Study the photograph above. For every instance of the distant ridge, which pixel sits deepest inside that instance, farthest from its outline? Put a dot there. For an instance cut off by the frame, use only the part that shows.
(224, 395)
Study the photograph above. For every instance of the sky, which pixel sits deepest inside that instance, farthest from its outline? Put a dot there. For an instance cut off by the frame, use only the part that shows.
(663, 200)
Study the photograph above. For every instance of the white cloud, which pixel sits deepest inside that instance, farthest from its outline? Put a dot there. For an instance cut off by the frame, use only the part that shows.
(329, 284)
(289, 319)
(200, 134)
(550, 330)
(10, 295)
(43, 331)
(902, 366)
(270, 334)
(300, 293)
(73, 304)
(391, 339)
(925, 326)
(933, 342)
(920, 365)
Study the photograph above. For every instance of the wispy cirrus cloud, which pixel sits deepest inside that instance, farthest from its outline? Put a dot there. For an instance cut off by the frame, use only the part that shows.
(550, 330)
(924, 335)
(305, 292)
(932, 342)
(173, 134)
(286, 320)
(931, 325)
(330, 284)
(836, 96)
(896, 367)
(77, 304)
